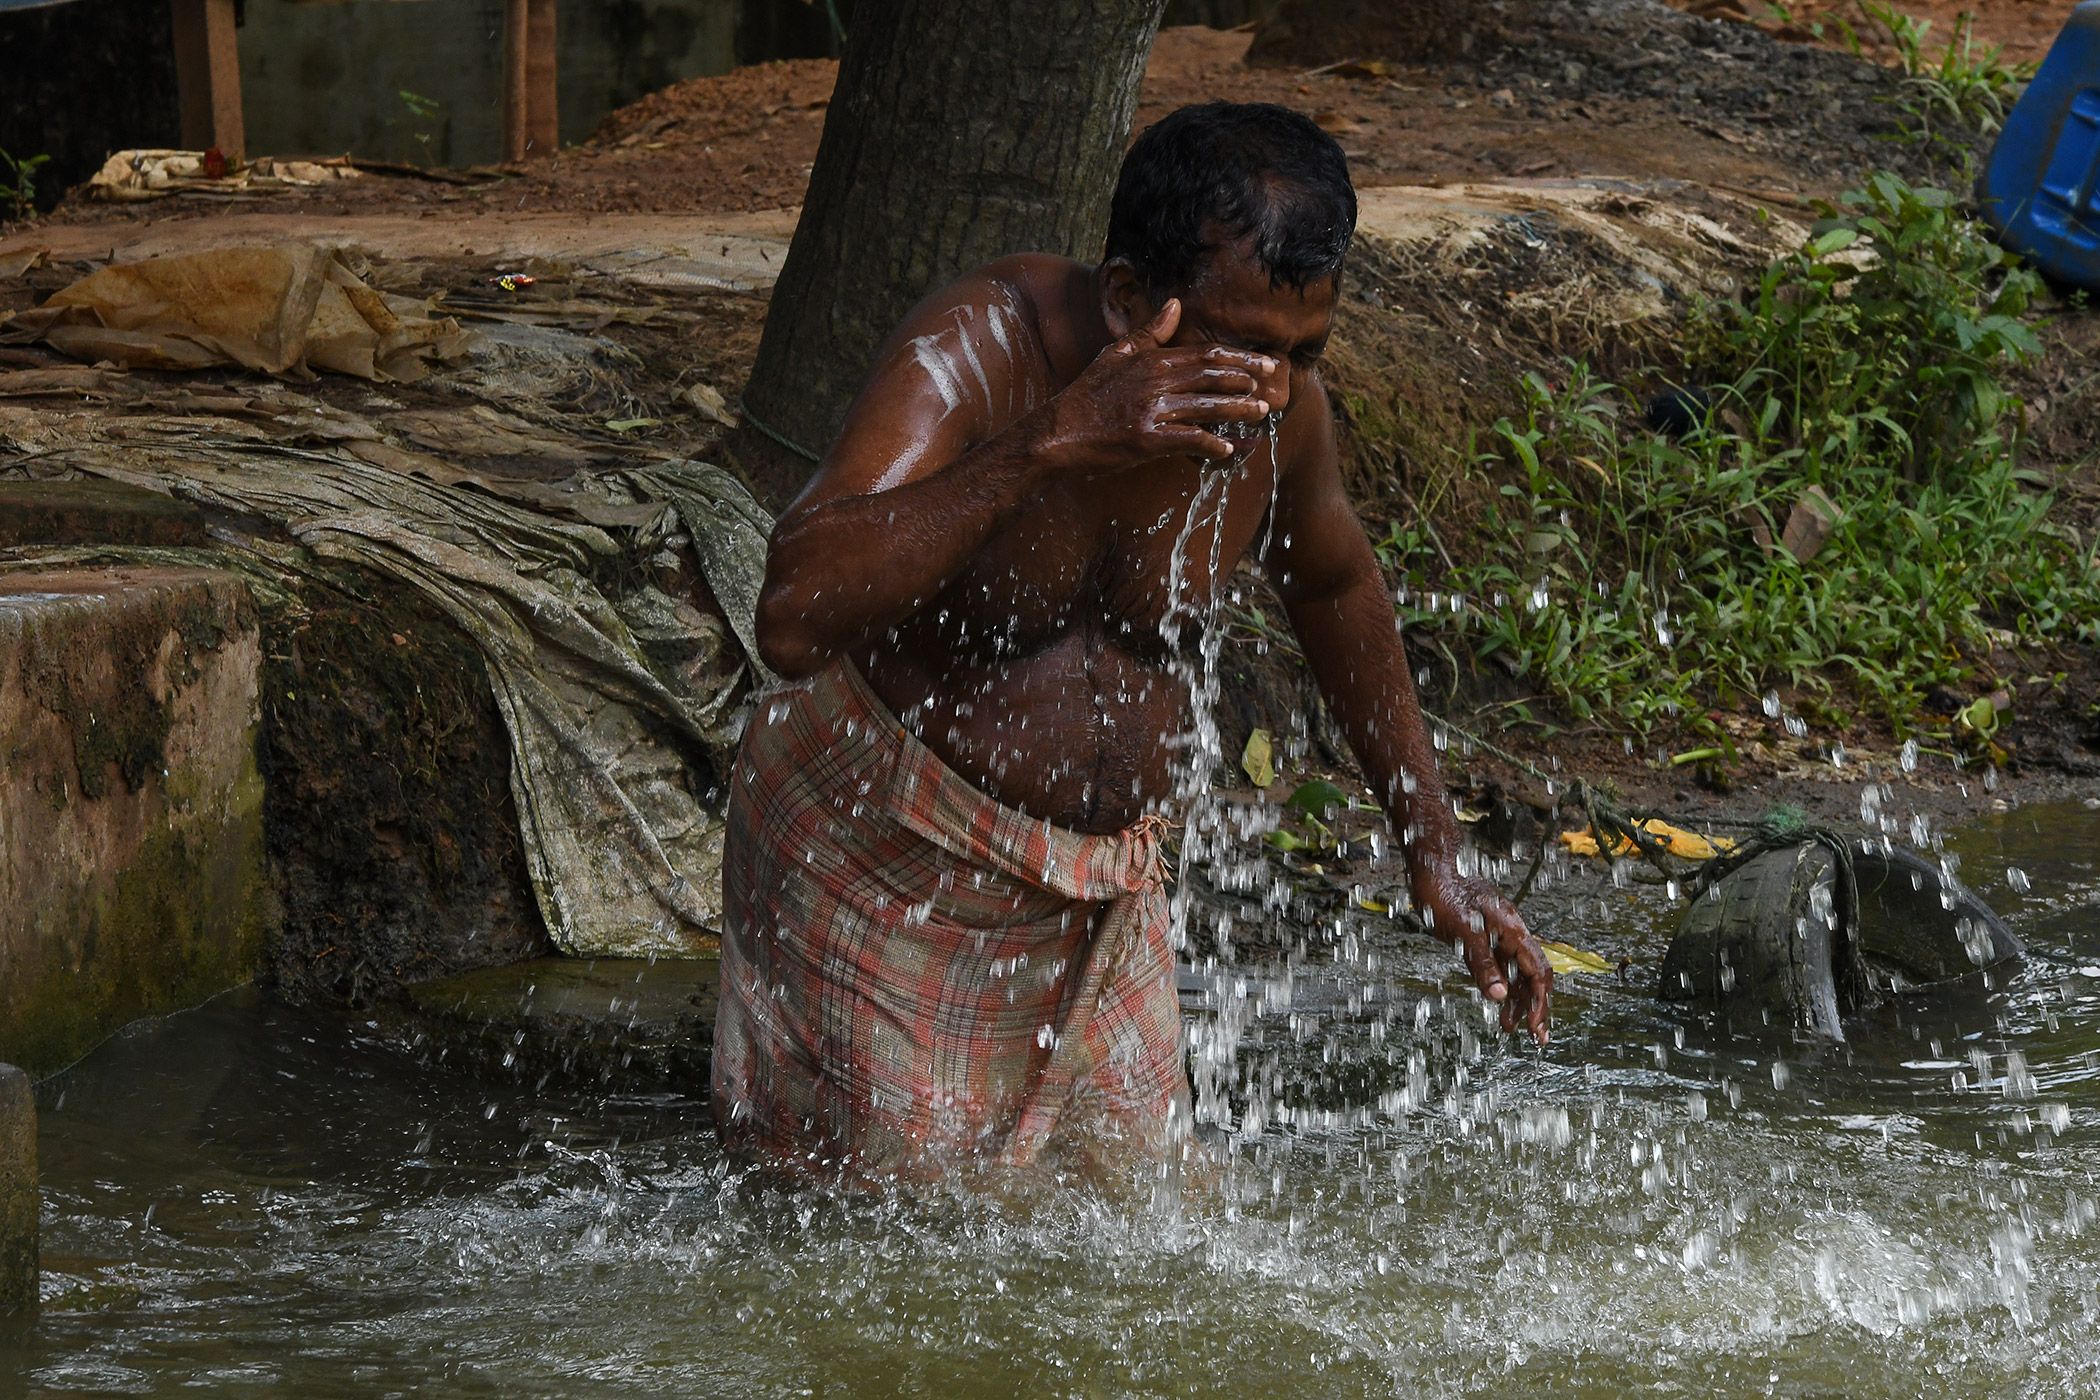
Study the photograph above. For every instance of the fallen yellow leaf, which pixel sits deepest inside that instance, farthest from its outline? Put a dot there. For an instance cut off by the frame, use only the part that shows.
(1689, 845)
(1564, 958)
(1258, 759)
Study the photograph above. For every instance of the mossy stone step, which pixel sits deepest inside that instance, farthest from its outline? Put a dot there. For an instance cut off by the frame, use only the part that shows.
(94, 512)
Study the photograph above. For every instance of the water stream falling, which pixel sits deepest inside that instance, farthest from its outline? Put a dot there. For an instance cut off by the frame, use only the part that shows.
(1218, 847)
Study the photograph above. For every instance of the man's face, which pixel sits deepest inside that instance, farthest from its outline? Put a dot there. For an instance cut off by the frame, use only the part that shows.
(1231, 302)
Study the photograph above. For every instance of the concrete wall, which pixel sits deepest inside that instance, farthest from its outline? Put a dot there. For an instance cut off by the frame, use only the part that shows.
(423, 82)
(19, 1203)
(132, 876)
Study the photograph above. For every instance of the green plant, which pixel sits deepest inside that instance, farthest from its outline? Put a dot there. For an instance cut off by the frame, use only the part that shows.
(18, 185)
(1772, 12)
(422, 110)
(1639, 579)
(1967, 87)
(1889, 332)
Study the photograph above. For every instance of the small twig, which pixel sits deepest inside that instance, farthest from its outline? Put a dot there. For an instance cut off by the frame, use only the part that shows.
(1538, 858)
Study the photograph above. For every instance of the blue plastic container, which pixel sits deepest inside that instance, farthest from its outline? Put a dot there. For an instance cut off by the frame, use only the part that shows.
(2039, 187)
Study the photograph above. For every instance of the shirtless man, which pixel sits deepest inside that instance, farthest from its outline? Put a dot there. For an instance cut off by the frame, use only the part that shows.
(984, 555)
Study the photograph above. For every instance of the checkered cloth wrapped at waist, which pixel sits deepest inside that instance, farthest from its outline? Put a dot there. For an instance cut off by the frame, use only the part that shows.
(914, 975)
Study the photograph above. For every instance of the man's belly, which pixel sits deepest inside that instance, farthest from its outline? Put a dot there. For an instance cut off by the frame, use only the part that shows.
(1079, 733)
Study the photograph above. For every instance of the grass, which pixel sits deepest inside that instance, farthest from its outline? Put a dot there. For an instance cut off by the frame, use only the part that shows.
(1967, 87)
(18, 183)
(1952, 94)
(1640, 579)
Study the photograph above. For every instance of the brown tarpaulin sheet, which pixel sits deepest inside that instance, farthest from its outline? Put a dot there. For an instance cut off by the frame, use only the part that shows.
(287, 311)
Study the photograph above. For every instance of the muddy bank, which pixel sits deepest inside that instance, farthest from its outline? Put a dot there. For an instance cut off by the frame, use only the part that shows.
(393, 835)
(394, 832)
(626, 1022)
(19, 1203)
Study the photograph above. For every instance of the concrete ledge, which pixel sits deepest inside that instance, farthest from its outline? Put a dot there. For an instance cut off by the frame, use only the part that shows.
(94, 512)
(19, 1203)
(132, 876)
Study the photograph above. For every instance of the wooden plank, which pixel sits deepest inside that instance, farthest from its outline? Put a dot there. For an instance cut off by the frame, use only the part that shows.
(516, 89)
(208, 76)
(542, 125)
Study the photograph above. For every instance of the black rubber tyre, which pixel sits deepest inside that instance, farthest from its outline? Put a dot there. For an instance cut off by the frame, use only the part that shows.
(1910, 927)
(1770, 952)
(1753, 947)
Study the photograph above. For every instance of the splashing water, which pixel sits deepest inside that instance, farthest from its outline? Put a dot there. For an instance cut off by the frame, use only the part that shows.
(249, 1197)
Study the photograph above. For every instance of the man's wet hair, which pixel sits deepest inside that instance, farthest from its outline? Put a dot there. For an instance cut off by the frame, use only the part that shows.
(1233, 170)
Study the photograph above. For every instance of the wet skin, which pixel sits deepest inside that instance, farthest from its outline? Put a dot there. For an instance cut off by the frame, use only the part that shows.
(990, 541)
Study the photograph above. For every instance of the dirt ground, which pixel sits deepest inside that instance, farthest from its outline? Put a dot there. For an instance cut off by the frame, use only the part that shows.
(1653, 94)
(2021, 29)
(1617, 87)
(1585, 87)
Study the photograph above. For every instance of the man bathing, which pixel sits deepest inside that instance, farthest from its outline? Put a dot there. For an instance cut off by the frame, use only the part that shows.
(946, 924)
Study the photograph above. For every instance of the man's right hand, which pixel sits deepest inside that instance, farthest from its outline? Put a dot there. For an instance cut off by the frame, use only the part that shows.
(1143, 399)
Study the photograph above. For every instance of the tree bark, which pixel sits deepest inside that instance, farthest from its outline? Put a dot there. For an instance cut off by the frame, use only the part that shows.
(959, 132)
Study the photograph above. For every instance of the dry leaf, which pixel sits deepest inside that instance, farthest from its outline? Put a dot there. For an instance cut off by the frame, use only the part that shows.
(1258, 759)
(1815, 516)
(1688, 845)
(17, 261)
(1565, 958)
(1357, 68)
(707, 401)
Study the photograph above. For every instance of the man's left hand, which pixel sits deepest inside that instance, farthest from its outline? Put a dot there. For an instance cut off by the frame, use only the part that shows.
(1505, 959)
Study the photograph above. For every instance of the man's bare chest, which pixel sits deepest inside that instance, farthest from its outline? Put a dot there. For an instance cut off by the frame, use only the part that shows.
(1134, 556)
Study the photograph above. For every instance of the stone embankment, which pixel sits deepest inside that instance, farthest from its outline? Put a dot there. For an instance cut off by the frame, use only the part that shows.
(18, 1196)
(132, 878)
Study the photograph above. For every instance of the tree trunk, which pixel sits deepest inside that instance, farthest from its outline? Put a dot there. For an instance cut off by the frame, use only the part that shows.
(959, 132)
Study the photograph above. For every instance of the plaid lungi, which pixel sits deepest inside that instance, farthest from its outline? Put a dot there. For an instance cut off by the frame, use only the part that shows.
(913, 973)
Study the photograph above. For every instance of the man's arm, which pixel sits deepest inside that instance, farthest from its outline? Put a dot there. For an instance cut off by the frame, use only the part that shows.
(933, 461)
(1336, 597)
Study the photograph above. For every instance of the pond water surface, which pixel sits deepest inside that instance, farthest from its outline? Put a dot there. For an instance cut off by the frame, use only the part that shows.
(252, 1199)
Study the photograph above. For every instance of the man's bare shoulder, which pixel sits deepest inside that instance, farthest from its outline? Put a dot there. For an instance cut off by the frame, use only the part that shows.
(1030, 295)
(988, 345)
(1041, 285)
